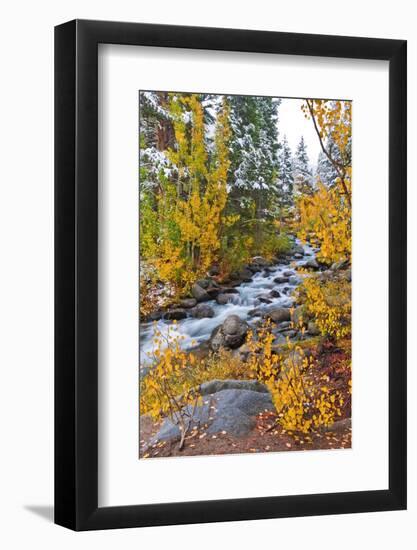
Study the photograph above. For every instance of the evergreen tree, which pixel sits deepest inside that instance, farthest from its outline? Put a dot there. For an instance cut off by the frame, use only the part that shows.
(209, 182)
(253, 176)
(303, 177)
(326, 172)
(254, 145)
(286, 175)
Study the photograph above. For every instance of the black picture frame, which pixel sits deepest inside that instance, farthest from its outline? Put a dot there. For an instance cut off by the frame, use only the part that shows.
(76, 272)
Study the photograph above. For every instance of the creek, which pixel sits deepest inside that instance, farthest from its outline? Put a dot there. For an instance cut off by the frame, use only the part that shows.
(192, 331)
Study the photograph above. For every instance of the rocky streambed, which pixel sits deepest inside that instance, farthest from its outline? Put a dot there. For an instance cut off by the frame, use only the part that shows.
(260, 290)
(220, 315)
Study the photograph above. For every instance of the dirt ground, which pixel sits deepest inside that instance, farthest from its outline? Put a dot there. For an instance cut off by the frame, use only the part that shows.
(261, 439)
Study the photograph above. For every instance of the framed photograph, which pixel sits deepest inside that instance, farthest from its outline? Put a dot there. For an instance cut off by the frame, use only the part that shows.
(230, 244)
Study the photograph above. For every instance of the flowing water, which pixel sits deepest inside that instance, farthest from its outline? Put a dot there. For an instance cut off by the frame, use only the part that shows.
(195, 331)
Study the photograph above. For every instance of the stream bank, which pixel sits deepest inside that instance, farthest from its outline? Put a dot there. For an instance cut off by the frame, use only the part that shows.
(267, 288)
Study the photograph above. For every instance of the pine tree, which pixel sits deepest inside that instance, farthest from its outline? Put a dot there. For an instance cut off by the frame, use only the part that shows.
(253, 176)
(254, 145)
(209, 183)
(286, 175)
(326, 171)
(303, 177)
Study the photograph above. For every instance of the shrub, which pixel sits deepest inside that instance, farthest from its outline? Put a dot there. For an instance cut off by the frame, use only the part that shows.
(146, 303)
(171, 388)
(263, 362)
(235, 252)
(170, 385)
(301, 406)
(271, 243)
(223, 364)
(329, 302)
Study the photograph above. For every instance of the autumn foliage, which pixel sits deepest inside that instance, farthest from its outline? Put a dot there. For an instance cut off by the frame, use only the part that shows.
(188, 220)
(325, 215)
(329, 304)
(301, 404)
(213, 199)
